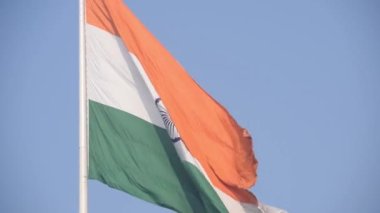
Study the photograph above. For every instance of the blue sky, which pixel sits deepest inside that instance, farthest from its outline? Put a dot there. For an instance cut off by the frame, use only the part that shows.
(302, 76)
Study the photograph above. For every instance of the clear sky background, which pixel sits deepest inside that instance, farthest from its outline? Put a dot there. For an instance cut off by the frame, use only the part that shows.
(302, 75)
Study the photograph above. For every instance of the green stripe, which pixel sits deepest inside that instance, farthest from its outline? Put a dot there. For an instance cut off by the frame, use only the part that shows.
(135, 156)
(206, 192)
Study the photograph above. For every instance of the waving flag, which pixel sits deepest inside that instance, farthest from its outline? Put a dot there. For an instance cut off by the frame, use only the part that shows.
(153, 131)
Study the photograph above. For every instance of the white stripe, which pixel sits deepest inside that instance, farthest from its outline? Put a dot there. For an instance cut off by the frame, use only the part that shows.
(270, 209)
(113, 79)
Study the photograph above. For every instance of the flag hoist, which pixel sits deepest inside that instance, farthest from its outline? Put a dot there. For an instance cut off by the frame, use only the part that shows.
(83, 145)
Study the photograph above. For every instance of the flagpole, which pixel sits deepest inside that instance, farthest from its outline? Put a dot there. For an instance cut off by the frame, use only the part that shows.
(83, 150)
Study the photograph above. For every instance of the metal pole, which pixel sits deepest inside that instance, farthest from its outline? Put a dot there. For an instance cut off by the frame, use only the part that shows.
(83, 151)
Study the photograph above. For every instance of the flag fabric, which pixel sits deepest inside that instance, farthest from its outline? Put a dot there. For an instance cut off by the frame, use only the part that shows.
(153, 131)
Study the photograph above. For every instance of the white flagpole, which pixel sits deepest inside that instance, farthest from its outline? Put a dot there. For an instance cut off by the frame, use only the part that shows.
(83, 150)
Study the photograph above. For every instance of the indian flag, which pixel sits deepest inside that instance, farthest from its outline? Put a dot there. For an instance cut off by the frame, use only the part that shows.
(153, 132)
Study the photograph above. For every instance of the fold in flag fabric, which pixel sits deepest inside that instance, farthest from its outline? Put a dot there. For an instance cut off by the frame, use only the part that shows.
(153, 131)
